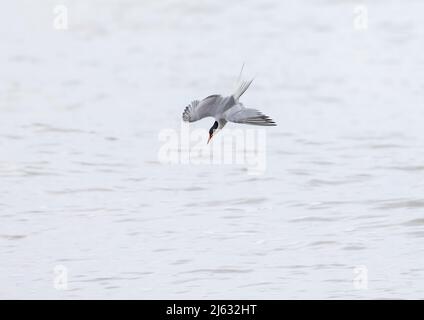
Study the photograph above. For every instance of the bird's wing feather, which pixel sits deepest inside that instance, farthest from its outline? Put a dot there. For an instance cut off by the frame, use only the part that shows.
(240, 114)
(208, 107)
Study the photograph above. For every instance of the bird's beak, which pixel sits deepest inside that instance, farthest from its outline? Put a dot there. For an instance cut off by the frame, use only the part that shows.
(210, 137)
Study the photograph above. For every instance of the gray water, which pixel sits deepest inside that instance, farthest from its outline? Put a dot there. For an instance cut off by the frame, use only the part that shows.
(81, 186)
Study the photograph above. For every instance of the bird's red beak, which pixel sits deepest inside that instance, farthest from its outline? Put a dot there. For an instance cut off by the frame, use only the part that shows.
(210, 137)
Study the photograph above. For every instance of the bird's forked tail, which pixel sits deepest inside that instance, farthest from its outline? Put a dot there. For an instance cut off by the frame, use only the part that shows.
(242, 86)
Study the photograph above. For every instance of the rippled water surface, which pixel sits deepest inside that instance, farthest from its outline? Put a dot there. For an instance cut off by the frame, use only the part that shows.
(81, 185)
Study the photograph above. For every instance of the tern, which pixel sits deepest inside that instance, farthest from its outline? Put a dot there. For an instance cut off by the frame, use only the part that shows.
(225, 109)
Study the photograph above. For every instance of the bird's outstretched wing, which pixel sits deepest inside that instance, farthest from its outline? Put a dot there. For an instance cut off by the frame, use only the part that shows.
(240, 114)
(208, 107)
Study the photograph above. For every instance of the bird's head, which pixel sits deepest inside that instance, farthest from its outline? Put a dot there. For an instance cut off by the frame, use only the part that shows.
(213, 130)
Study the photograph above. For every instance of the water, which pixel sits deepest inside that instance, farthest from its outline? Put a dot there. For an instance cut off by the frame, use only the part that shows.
(82, 189)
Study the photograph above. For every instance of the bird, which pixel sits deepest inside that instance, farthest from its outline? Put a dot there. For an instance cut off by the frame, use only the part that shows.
(226, 109)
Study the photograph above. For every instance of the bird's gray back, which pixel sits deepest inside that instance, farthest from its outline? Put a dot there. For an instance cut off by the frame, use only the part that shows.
(225, 103)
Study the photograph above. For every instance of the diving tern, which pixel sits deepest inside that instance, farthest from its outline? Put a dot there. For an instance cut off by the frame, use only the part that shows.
(225, 109)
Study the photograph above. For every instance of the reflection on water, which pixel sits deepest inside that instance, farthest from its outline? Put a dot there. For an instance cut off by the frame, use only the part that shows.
(81, 185)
